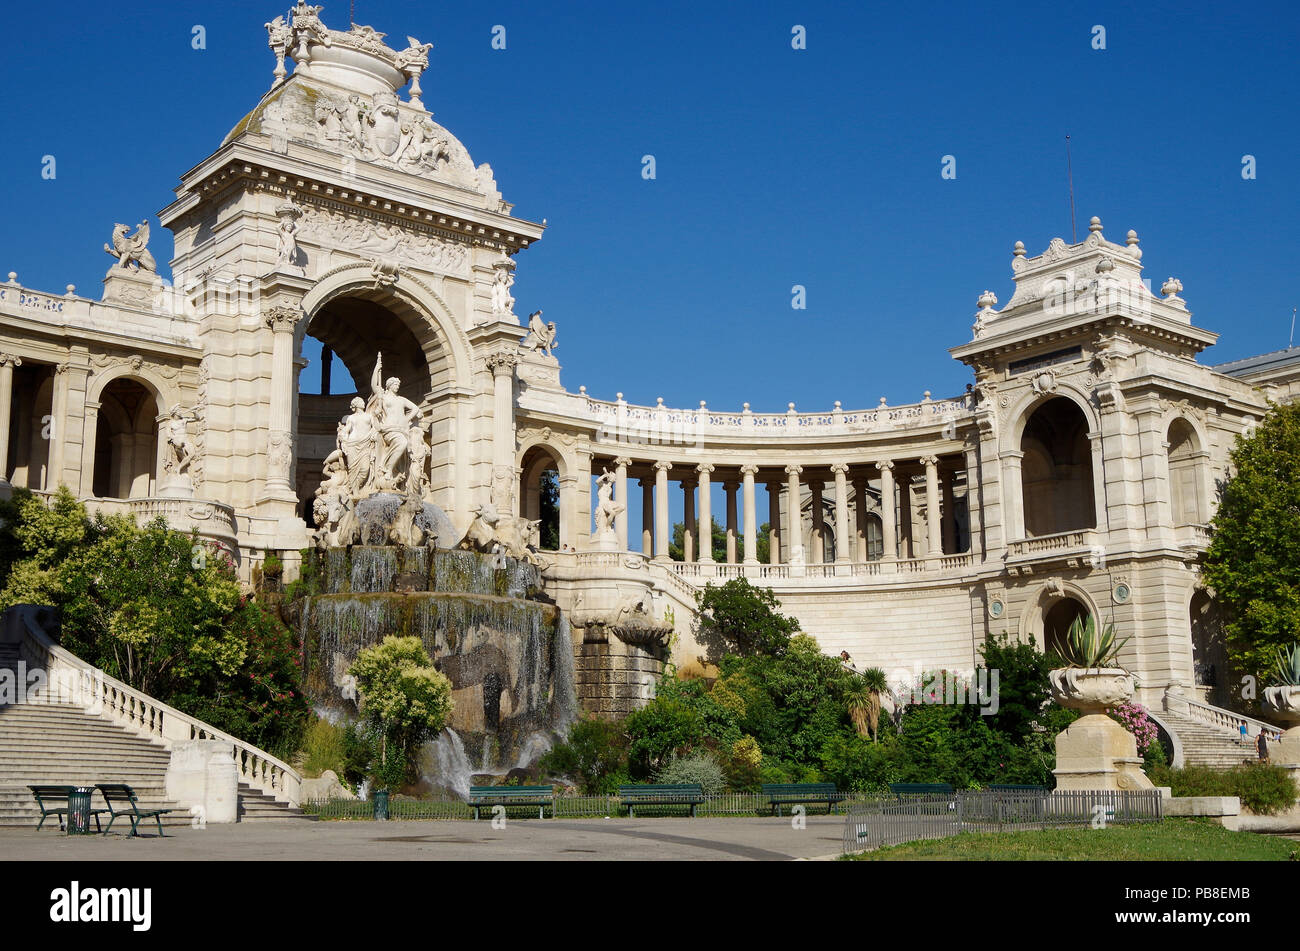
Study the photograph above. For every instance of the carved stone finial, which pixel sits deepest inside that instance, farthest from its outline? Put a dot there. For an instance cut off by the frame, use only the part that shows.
(987, 300)
(1019, 249)
(1094, 224)
(1171, 288)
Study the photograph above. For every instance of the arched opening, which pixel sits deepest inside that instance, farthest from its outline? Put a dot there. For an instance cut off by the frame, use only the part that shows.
(1185, 482)
(539, 495)
(1209, 653)
(126, 441)
(30, 426)
(343, 338)
(1056, 470)
(1057, 621)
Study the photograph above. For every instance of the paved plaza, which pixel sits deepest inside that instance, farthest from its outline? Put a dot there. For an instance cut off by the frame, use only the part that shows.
(667, 839)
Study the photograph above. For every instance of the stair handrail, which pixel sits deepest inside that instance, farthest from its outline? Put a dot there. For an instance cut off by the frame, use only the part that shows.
(1229, 721)
(74, 680)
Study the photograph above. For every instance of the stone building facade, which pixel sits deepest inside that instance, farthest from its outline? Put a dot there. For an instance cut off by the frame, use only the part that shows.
(1077, 473)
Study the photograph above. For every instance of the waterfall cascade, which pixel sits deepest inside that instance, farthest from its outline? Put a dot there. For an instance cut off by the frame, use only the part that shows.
(509, 656)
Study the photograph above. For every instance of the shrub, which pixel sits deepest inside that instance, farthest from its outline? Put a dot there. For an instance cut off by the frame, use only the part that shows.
(694, 768)
(322, 748)
(745, 764)
(594, 754)
(1264, 790)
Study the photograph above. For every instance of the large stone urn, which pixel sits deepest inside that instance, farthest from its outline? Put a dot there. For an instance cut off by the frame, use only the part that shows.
(1283, 703)
(1095, 752)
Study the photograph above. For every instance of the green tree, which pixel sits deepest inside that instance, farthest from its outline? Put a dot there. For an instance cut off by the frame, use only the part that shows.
(404, 699)
(1253, 562)
(737, 617)
(677, 544)
(548, 510)
(864, 703)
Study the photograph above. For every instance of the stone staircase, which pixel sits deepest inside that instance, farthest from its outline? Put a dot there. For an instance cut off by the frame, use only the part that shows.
(62, 744)
(1207, 745)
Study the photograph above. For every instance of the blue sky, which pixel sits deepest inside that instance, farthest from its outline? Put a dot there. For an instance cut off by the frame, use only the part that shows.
(775, 167)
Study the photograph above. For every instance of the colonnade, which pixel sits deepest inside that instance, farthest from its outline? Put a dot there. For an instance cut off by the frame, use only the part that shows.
(927, 483)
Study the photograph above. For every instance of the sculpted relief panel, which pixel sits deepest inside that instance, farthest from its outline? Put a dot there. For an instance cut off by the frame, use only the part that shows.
(369, 238)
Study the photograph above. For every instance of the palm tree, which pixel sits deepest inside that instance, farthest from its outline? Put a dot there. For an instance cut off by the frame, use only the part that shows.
(863, 701)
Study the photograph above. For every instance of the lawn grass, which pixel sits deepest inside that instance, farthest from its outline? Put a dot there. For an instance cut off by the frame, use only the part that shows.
(1172, 840)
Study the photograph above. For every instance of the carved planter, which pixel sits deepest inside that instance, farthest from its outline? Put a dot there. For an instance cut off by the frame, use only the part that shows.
(1283, 703)
(1090, 690)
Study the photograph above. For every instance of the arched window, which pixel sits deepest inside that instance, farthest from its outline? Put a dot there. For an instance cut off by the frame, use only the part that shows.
(126, 441)
(1185, 481)
(539, 495)
(1056, 470)
(875, 538)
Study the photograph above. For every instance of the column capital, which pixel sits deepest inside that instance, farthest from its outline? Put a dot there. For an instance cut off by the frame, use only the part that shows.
(622, 462)
(282, 318)
(502, 363)
(662, 466)
(705, 468)
(929, 461)
(885, 465)
(10, 360)
(840, 468)
(730, 485)
(687, 482)
(62, 368)
(793, 470)
(749, 470)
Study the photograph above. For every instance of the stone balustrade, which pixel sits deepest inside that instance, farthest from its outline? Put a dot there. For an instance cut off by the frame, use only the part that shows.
(72, 680)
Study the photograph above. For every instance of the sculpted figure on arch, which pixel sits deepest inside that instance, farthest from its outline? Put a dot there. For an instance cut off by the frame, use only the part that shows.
(395, 416)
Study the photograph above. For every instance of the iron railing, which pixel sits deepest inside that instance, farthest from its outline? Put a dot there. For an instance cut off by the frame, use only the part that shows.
(886, 821)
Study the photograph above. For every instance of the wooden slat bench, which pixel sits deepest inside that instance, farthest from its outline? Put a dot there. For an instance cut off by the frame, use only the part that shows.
(481, 797)
(121, 801)
(677, 794)
(779, 794)
(46, 796)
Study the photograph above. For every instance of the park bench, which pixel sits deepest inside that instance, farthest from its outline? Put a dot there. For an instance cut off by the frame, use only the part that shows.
(679, 794)
(779, 794)
(121, 801)
(47, 796)
(481, 797)
(920, 789)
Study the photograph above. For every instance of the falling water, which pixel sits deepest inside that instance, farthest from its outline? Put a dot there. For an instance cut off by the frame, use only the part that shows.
(447, 763)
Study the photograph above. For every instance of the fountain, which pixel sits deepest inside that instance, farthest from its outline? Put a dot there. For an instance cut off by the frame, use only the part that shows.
(387, 561)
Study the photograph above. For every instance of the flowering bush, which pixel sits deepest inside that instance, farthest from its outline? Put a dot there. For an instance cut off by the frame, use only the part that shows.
(1133, 717)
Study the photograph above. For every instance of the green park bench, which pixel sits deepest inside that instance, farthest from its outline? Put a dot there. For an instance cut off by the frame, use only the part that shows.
(920, 789)
(780, 794)
(676, 794)
(47, 800)
(121, 801)
(482, 797)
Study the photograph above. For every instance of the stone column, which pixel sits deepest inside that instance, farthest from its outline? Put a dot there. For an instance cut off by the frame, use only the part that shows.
(730, 488)
(569, 505)
(817, 536)
(620, 486)
(58, 427)
(706, 513)
(647, 516)
(906, 533)
(949, 515)
(661, 510)
(688, 520)
(793, 518)
(7, 363)
(503, 365)
(89, 438)
(774, 523)
(124, 447)
(1013, 513)
(860, 552)
(933, 539)
(888, 528)
(279, 450)
(841, 513)
(582, 504)
(974, 500)
(751, 515)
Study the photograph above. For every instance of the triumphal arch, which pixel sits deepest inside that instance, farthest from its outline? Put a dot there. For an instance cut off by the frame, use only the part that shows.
(1076, 473)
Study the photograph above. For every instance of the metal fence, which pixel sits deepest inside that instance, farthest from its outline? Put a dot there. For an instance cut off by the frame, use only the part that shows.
(565, 807)
(893, 820)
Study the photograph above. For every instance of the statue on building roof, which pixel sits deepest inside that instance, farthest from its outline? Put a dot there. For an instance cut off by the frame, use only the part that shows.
(132, 250)
(541, 336)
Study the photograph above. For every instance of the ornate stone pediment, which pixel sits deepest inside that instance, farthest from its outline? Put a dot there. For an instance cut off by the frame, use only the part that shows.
(371, 239)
